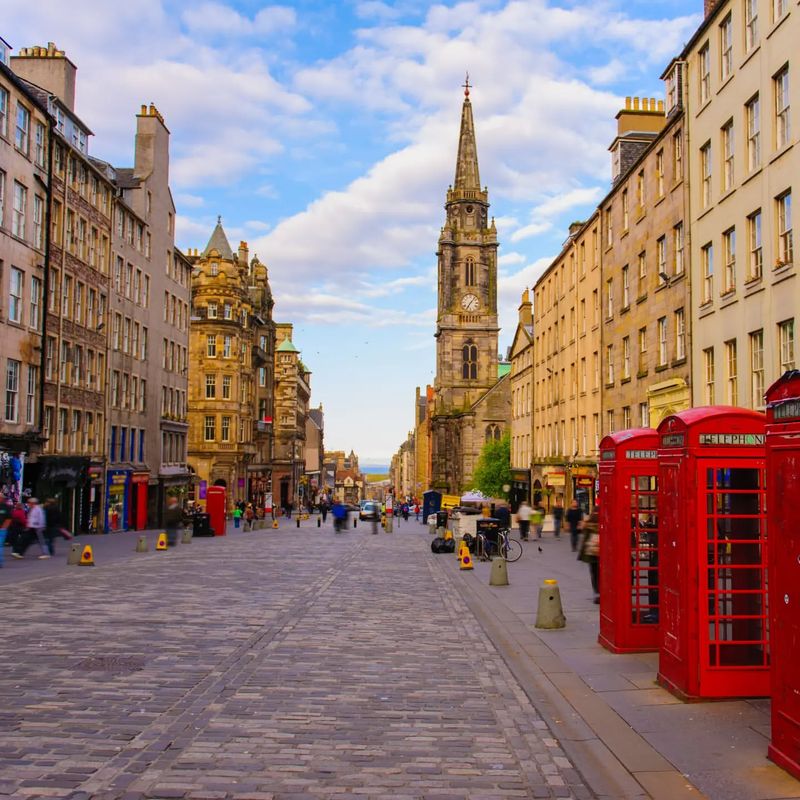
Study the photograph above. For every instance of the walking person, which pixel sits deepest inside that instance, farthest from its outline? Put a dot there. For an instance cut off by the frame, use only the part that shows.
(237, 516)
(34, 530)
(558, 516)
(17, 527)
(173, 519)
(323, 509)
(339, 516)
(574, 520)
(54, 525)
(416, 511)
(249, 517)
(590, 551)
(524, 519)
(538, 519)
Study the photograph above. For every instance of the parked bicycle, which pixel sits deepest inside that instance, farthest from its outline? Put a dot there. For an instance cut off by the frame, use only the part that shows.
(510, 549)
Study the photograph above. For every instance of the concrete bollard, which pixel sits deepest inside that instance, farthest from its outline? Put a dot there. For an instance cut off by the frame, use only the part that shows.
(74, 555)
(141, 544)
(499, 573)
(550, 614)
(186, 536)
(389, 523)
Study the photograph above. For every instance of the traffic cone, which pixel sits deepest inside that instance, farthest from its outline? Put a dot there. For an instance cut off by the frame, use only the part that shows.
(141, 544)
(462, 546)
(448, 535)
(465, 562)
(87, 559)
(161, 544)
(275, 523)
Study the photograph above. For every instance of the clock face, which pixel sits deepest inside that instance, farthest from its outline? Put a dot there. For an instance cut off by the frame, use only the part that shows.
(469, 302)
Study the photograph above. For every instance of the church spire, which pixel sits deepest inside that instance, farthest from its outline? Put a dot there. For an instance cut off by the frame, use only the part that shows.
(467, 175)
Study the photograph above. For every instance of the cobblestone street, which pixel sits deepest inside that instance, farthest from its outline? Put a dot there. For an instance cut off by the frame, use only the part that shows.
(272, 664)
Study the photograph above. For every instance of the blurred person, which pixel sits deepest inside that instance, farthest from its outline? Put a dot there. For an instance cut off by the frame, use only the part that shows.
(558, 516)
(524, 519)
(590, 551)
(54, 525)
(173, 519)
(574, 519)
(34, 530)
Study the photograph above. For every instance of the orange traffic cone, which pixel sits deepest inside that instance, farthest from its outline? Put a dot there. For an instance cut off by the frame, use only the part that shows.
(465, 562)
(87, 559)
(161, 544)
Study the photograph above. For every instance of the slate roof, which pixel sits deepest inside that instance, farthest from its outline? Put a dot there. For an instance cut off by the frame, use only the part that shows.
(286, 346)
(219, 242)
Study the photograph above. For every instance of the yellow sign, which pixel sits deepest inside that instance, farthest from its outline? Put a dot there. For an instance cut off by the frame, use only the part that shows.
(450, 500)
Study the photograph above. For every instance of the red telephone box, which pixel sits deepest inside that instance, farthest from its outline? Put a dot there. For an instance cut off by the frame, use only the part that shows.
(783, 489)
(216, 506)
(629, 541)
(713, 559)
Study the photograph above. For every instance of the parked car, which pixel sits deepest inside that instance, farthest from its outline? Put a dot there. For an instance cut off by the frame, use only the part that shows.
(370, 510)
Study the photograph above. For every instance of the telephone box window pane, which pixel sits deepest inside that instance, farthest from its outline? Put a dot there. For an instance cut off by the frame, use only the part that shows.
(644, 550)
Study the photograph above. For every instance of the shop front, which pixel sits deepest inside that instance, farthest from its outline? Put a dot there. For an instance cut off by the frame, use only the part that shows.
(67, 479)
(583, 486)
(520, 488)
(118, 483)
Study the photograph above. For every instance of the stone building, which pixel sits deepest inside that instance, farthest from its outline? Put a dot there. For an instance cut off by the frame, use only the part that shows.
(24, 195)
(422, 441)
(566, 370)
(315, 452)
(292, 395)
(231, 311)
(645, 358)
(148, 359)
(739, 80)
(471, 402)
(521, 379)
(77, 253)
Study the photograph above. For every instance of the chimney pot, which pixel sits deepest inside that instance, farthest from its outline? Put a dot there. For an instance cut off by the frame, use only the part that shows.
(628, 103)
(709, 6)
(635, 103)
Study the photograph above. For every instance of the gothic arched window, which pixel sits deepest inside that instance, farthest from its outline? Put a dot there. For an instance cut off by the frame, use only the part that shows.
(492, 433)
(469, 366)
(469, 271)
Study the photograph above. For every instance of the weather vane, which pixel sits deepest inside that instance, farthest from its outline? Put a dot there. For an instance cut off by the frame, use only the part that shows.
(466, 86)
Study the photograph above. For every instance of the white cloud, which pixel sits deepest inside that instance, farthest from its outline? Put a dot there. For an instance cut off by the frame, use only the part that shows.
(219, 19)
(533, 229)
(558, 204)
(511, 258)
(186, 200)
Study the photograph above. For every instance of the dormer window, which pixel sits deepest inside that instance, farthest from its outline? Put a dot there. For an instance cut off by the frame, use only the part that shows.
(616, 162)
(673, 88)
(214, 269)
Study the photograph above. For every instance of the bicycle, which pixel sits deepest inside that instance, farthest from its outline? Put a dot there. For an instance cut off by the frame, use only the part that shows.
(510, 549)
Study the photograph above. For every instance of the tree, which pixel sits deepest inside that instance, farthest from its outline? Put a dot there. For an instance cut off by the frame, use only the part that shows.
(493, 470)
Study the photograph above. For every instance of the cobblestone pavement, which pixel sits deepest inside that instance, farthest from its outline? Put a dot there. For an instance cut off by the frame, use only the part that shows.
(286, 665)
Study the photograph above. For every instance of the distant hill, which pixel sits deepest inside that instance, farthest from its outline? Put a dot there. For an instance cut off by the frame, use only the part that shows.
(374, 469)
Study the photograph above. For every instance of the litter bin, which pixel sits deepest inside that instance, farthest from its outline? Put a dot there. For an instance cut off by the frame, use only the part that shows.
(489, 528)
(201, 525)
(441, 519)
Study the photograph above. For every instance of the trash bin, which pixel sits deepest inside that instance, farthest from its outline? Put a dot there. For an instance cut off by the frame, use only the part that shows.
(201, 525)
(441, 519)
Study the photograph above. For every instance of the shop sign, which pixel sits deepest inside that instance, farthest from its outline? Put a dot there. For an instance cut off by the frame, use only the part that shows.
(117, 478)
(201, 490)
(732, 439)
(95, 473)
(584, 480)
(140, 477)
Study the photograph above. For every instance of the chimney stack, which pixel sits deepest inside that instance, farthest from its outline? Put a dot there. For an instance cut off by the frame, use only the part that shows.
(709, 6)
(49, 68)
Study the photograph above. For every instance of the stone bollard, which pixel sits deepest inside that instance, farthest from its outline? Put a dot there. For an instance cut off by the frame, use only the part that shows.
(141, 544)
(550, 614)
(74, 555)
(389, 523)
(186, 536)
(499, 573)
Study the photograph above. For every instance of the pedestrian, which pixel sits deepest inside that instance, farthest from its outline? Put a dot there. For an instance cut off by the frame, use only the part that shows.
(34, 530)
(289, 507)
(5, 524)
(323, 509)
(172, 520)
(249, 516)
(237, 517)
(54, 525)
(405, 512)
(574, 519)
(524, 519)
(558, 516)
(538, 521)
(503, 515)
(339, 516)
(590, 551)
(416, 511)
(16, 529)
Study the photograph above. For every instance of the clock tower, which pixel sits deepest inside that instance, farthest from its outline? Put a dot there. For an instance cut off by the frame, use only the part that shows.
(466, 321)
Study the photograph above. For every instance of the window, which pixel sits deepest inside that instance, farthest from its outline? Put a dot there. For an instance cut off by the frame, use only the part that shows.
(610, 363)
(62, 428)
(705, 73)
(227, 311)
(643, 350)
(677, 249)
(754, 242)
(610, 298)
(625, 220)
(79, 292)
(36, 303)
(226, 346)
(2, 196)
(778, 9)
(226, 387)
(626, 300)
(30, 395)
(662, 341)
(38, 219)
(786, 344)
(727, 156)
(16, 283)
(469, 362)
(677, 156)
(211, 387)
(644, 415)
(626, 357)
(661, 259)
(782, 122)
(143, 355)
(212, 310)
(137, 287)
(583, 376)
(210, 429)
(211, 346)
(63, 361)
(610, 421)
(38, 144)
(757, 368)
(262, 376)
(726, 48)
(3, 111)
(753, 120)
(626, 418)
(750, 24)
(609, 228)
(680, 335)
(469, 271)
(12, 390)
(118, 275)
(22, 134)
(116, 331)
(660, 173)
(784, 215)
(640, 196)
(226, 429)
(731, 380)
(705, 173)
(50, 354)
(729, 253)
(18, 211)
(642, 274)
(214, 268)
(708, 372)
(707, 260)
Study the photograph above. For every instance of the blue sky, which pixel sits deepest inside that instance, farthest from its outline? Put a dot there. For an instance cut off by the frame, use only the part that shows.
(325, 135)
